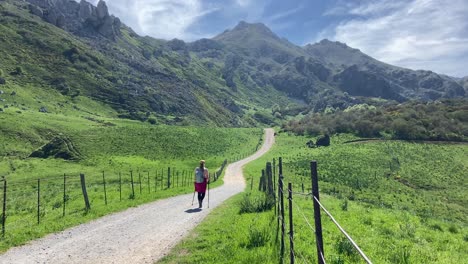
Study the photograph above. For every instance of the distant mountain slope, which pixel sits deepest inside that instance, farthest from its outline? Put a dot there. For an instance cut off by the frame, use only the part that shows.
(98, 57)
(464, 82)
(357, 72)
(82, 50)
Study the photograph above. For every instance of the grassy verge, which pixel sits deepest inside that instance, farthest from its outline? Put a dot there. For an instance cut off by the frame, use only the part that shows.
(228, 237)
(118, 148)
(401, 202)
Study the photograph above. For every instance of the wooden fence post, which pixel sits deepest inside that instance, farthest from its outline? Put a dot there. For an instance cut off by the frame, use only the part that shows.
(85, 193)
(269, 179)
(251, 183)
(105, 191)
(155, 180)
(162, 180)
(133, 189)
(38, 201)
(149, 188)
(260, 183)
(64, 193)
(4, 206)
(281, 200)
(168, 177)
(274, 174)
(318, 220)
(291, 231)
(139, 180)
(120, 185)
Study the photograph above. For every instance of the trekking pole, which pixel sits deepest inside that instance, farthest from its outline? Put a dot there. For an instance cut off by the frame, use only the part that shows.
(208, 194)
(194, 191)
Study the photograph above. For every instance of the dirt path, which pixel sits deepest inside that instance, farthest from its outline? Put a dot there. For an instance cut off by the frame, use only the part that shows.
(138, 235)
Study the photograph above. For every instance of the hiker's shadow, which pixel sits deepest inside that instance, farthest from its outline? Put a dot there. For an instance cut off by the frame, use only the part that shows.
(195, 210)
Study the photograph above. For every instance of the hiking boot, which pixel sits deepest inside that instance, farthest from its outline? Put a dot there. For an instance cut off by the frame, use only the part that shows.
(199, 204)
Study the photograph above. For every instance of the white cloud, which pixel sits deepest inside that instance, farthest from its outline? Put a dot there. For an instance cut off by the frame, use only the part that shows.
(427, 34)
(244, 3)
(285, 14)
(166, 19)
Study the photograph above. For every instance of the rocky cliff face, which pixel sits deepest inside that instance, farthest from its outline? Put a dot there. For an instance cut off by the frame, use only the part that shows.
(359, 74)
(81, 18)
(464, 82)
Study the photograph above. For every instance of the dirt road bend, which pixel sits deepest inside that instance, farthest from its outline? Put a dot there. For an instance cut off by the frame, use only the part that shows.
(142, 234)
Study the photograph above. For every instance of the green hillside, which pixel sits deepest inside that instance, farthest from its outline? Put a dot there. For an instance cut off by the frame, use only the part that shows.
(138, 77)
(400, 202)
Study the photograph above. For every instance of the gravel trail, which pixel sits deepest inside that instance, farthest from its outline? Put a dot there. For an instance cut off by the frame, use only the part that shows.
(143, 234)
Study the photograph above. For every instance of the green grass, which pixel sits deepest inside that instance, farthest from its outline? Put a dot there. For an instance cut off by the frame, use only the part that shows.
(105, 144)
(395, 199)
(227, 237)
(166, 86)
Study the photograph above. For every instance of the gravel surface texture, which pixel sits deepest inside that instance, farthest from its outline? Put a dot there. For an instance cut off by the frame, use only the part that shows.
(143, 234)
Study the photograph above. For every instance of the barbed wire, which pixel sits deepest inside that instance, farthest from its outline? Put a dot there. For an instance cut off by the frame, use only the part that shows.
(303, 215)
(344, 232)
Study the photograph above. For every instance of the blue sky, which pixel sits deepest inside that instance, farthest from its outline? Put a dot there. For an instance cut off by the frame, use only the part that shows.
(415, 34)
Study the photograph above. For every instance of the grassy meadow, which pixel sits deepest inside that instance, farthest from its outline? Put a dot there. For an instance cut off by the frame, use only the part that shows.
(98, 143)
(401, 202)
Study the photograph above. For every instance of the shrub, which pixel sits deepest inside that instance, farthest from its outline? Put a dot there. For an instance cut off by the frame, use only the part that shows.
(436, 227)
(263, 117)
(257, 238)
(18, 71)
(402, 255)
(453, 229)
(343, 246)
(344, 205)
(256, 204)
(152, 120)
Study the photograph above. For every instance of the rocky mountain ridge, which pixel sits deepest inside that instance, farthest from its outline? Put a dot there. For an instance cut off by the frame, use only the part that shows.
(355, 72)
(247, 67)
(76, 17)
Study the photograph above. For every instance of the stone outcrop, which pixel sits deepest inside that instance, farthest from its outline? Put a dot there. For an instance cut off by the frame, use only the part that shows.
(35, 10)
(80, 18)
(323, 141)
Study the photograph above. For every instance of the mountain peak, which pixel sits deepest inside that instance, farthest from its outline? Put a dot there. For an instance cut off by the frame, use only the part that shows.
(327, 42)
(259, 27)
(82, 17)
(245, 28)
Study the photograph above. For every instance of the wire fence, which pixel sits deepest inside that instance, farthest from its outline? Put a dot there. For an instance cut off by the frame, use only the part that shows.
(27, 204)
(295, 208)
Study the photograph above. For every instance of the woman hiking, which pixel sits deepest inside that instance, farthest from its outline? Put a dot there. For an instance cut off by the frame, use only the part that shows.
(201, 179)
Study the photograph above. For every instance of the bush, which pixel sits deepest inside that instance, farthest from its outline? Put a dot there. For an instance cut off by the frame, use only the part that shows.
(436, 227)
(402, 255)
(444, 120)
(343, 246)
(257, 238)
(263, 117)
(453, 229)
(18, 71)
(344, 205)
(152, 120)
(256, 204)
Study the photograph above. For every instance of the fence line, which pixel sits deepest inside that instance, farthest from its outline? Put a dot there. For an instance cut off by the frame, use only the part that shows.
(27, 200)
(344, 232)
(317, 207)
